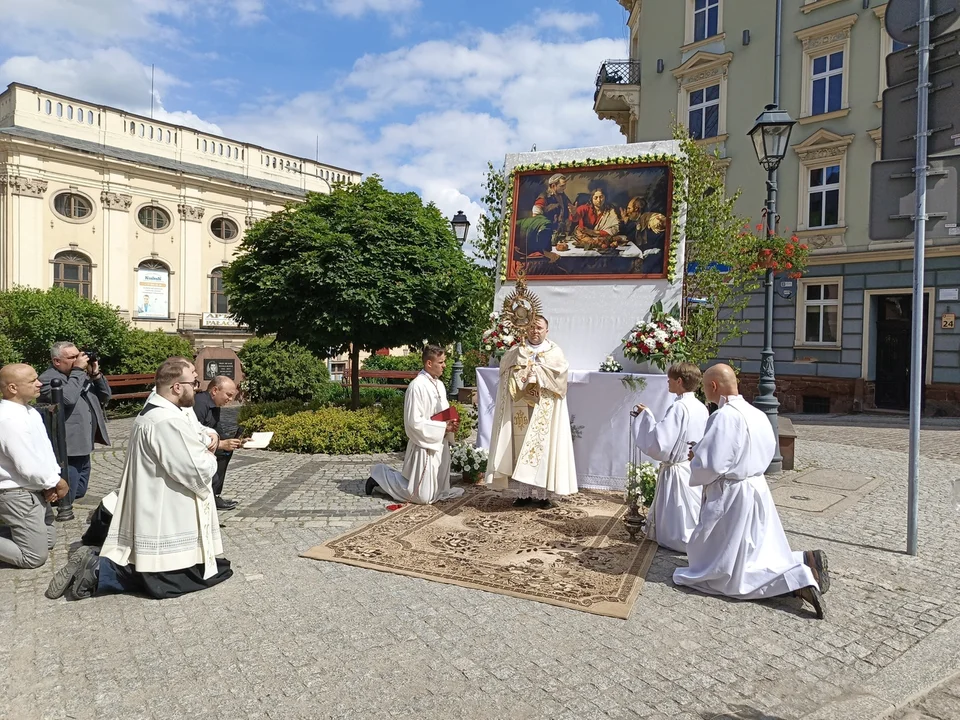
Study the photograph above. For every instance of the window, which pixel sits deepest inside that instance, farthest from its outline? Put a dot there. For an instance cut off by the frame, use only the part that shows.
(824, 202)
(73, 271)
(133, 128)
(89, 117)
(826, 68)
(59, 109)
(79, 116)
(69, 112)
(142, 130)
(704, 115)
(224, 228)
(221, 148)
(153, 218)
(827, 79)
(706, 19)
(818, 321)
(219, 303)
(72, 206)
(49, 107)
(168, 137)
(204, 145)
(150, 134)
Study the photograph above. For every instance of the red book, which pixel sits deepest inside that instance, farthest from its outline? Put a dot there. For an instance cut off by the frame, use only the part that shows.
(446, 415)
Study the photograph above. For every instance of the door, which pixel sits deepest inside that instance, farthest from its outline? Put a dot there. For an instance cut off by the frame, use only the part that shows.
(893, 328)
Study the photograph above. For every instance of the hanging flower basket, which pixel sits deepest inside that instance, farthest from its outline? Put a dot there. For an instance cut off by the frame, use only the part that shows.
(764, 251)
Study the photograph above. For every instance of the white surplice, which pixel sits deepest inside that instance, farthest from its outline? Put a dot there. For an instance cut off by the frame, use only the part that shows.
(425, 477)
(739, 548)
(531, 440)
(676, 506)
(165, 518)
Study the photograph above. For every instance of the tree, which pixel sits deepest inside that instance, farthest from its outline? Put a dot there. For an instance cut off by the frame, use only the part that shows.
(490, 230)
(719, 280)
(359, 269)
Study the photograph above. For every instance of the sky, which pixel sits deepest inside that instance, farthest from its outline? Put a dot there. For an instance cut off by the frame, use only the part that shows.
(420, 92)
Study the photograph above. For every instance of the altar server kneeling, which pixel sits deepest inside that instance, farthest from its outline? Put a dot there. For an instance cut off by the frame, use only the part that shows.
(425, 478)
(676, 506)
(164, 537)
(739, 548)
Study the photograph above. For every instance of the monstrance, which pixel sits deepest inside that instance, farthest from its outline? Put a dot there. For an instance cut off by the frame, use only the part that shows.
(522, 308)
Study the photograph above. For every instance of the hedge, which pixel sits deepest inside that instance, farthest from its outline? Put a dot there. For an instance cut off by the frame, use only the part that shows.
(274, 370)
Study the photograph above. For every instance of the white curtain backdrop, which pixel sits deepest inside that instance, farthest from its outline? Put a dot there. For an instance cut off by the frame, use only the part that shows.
(599, 405)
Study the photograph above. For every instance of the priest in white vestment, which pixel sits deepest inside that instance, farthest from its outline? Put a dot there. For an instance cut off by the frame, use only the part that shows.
(675, 510)
(425, 477)
(530, 440)
(739, 548)
(164, 537)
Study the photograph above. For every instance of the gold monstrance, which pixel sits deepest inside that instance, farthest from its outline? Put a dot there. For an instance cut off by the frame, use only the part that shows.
(521, 307)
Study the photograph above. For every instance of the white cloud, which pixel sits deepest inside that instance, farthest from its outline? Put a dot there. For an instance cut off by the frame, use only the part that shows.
(359, 8)
(567, 22)
(249, 12)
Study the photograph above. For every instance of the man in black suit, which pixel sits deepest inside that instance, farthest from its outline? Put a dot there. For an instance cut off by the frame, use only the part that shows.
(221, 391)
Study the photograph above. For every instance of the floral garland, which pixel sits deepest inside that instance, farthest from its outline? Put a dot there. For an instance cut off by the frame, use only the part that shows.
(679, 182)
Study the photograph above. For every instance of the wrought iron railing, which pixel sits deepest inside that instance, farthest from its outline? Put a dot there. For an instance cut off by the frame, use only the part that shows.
(617, 72)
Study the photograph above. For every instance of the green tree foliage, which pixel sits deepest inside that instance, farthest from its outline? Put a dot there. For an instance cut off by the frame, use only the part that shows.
(715, 246)
(32, 320)
(490, 230)
(274, 370)
(143, 351)
(359, 269)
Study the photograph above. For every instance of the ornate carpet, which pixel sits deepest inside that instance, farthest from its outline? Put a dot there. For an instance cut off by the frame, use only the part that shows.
(577, 555)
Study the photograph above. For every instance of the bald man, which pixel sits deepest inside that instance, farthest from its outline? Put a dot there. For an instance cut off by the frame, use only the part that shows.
(221, 391)
(739, 549)
(29, 472)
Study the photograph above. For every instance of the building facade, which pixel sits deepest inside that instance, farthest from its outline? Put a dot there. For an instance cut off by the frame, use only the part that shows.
(135, 212)
(842, 339)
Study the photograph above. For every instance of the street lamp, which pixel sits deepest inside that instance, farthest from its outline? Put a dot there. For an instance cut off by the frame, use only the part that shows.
(771, 137)
(461, 226)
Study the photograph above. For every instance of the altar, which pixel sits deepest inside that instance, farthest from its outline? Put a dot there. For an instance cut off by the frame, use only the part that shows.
(599, 404)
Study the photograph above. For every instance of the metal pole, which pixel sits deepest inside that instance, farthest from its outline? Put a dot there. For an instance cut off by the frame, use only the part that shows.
(456, 377)
(920, 233)
(778, 31)
(766, 399)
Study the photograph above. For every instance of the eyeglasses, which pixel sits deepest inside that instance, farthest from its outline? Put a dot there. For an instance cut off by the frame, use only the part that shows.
(195, 383)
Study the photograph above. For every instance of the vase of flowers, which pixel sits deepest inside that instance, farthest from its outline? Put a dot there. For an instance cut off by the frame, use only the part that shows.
(641, 485)
(498, 338)
(658, 341)
(469, 461)
(611, 365)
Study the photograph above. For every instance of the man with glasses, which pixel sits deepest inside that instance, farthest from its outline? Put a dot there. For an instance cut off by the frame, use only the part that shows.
(85, 394)
(164, 538)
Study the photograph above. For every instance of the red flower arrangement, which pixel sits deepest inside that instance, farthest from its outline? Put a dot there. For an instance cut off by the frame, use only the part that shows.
(764, 251)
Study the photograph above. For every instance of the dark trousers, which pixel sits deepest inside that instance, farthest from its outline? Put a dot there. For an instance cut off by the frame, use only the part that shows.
(113, 578)
(78, 468)
(223, 459)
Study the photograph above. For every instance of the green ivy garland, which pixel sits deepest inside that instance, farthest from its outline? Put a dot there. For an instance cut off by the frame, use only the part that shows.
(679, 188)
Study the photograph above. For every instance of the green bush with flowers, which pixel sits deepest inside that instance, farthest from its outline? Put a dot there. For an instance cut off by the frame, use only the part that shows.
(765, 250)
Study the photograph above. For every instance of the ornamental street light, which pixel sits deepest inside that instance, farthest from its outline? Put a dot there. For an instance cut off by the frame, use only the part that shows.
(771, 138)
(461, 226)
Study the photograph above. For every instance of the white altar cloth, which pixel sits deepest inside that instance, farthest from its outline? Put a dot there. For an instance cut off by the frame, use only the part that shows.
(599, 405)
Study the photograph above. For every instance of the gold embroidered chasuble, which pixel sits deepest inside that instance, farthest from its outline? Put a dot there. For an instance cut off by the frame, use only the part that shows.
(531, 441)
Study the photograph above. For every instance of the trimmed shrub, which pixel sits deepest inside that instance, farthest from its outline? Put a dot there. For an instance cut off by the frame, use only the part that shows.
(144, 351)
(8, 353)
(281, 371)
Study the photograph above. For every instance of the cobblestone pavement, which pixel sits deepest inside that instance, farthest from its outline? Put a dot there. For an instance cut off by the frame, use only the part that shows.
(293, 638)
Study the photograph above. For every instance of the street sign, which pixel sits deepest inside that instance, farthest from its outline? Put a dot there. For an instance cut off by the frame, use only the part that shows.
(902, 18)
(902, 66)
(900, 116)
(893, 198)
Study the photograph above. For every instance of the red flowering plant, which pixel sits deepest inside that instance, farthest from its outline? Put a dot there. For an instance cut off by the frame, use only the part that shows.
(765, 250)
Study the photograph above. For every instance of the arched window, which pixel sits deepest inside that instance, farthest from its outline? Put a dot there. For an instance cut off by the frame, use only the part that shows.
(141, 129)
(133, 128)
(219, 302)
(72, 206)
(223, 228)
(89, 117)
(69, 112)
(153, 290)
(80, 115)
(73, 271)
(59, 109)
(150, 134)
(221, 149)
(153, 217)
(168, 137)
(204, 145)
(49, 107)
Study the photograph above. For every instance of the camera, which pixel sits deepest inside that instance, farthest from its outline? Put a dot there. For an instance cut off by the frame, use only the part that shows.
(92, 355)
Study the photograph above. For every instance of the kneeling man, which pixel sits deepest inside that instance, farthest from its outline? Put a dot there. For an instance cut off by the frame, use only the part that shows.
(425, 478)
(676, 506)
(739, 548)
(165, 535)
(29, 472)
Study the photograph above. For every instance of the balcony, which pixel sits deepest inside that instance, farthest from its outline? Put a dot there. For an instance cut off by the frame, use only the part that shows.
(617, 96)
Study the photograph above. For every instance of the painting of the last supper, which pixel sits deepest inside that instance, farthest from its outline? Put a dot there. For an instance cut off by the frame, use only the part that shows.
(601, 222)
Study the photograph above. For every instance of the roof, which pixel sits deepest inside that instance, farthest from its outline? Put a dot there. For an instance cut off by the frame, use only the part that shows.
(154, 160)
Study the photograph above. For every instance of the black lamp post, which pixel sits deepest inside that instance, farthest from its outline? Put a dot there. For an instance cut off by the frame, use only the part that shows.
(771, 137)
(461, 226)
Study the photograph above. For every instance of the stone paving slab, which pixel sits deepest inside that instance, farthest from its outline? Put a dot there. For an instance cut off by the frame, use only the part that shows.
(294, 638)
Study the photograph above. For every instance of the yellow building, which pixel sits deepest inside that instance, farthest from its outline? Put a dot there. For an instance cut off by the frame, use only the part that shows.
(135, 212)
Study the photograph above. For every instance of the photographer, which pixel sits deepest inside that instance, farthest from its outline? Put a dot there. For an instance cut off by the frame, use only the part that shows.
(85, 393)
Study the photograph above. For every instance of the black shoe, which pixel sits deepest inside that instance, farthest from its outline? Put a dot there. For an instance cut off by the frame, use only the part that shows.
(816, 560)
(370, 486)
(522, 502)
(84, 583)
(65, 514)
(68, 573)
(545, 504)
(224, 504)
